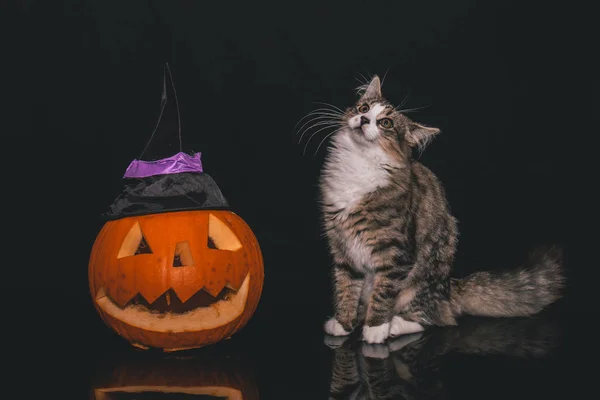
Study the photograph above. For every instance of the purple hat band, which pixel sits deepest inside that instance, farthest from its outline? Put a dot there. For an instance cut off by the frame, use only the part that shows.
(180, 162)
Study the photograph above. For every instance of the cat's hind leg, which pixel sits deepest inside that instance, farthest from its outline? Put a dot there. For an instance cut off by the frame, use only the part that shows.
(417, 321)
(419, 307)
(399, 326)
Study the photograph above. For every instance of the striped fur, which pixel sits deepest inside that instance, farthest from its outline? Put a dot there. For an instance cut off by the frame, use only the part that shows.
(392, 236)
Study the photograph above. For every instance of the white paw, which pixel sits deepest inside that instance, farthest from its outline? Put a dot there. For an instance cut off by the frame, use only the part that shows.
(402, 327)
(375, 350)
(376, 334)
(333, 328)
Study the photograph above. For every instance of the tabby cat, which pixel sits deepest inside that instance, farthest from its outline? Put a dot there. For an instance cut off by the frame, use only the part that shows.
(392, 236)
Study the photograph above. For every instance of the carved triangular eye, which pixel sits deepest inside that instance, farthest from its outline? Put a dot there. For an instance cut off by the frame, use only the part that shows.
(183, 255)
(220, 236)
(134, 243)
(143, 247)
(211, 243)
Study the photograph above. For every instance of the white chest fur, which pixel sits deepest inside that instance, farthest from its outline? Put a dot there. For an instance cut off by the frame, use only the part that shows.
(352, 171)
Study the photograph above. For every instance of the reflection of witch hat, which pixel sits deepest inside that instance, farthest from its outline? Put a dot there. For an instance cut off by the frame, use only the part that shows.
(170, 184)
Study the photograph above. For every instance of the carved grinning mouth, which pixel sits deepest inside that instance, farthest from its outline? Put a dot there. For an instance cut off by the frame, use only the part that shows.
(170, 302)
(200, 314)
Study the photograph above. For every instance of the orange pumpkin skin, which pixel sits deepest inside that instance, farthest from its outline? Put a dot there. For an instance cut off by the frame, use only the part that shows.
(115, 281)
(173, 375)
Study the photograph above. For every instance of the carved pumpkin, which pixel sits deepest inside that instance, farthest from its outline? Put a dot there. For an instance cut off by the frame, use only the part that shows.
(175, 378)
(177, 277)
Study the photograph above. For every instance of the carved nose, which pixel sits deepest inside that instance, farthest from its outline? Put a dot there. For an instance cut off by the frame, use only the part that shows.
(364, 120)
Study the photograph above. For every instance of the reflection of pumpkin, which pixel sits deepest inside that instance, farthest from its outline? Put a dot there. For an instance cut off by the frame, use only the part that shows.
(195, 378)
(176, 280)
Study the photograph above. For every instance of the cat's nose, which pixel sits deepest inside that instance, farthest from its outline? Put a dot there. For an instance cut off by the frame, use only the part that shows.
(364, 120)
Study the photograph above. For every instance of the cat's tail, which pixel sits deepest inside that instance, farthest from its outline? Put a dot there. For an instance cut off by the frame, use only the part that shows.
(520, 292)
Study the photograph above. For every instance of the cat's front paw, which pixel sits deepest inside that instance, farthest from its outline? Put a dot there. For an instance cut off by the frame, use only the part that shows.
(376, 334)
(334, 328)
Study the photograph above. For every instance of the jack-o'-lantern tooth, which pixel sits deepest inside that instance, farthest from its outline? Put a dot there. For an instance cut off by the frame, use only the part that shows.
(188, 286)
(120, 280)
(236, 275)
(120, 295)
(151, 291)
(184, 293)
(214, 286)
(143, 274)
(186, 281)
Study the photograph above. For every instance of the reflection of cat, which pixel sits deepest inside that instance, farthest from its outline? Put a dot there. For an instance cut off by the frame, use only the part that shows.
(411, 367)
(392, 236)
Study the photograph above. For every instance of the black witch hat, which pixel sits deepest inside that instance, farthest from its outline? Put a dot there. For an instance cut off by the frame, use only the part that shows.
(170, 184)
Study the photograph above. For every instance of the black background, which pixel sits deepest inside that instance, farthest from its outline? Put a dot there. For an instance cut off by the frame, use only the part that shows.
(508, 83)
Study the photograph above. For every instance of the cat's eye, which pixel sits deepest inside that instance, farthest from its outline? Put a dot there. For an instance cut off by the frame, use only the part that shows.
(386, 123)
(363, 109)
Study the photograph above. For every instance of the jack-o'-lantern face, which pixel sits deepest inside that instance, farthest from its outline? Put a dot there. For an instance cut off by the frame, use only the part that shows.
(176, 280)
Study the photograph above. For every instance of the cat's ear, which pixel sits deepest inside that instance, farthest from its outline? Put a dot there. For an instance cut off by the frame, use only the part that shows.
(373, 89)
(420, 135)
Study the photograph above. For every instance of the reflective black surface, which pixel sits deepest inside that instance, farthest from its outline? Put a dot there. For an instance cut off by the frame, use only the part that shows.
(283, 353)
(506, 81)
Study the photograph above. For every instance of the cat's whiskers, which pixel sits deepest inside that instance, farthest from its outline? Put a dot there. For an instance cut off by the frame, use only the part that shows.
(333, 108)
(317, 118)
(384, 76)
(406, 110)
(402, 103)
(328, 123)
(319, 111)
(365, 79)
(313, 135)
(324, 125)
(324, 118)
(324, 139)
(363, 85)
